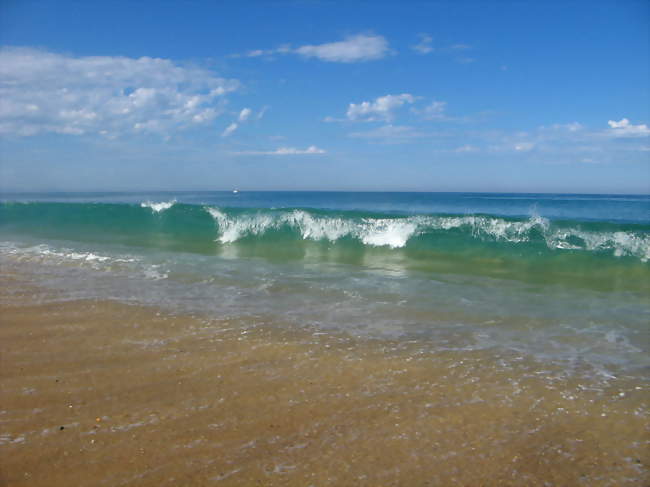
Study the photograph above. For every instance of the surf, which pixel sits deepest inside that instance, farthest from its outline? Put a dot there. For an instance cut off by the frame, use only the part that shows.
(185, 223)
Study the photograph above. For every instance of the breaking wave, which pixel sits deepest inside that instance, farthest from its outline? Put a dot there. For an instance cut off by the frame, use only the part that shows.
(158, 207)
(371, 231)
(182, 227)
(397, 232)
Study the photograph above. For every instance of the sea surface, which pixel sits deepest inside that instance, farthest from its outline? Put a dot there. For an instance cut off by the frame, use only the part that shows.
(563, 279)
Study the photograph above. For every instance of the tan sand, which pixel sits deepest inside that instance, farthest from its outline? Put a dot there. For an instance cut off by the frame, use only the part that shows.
(101, 393)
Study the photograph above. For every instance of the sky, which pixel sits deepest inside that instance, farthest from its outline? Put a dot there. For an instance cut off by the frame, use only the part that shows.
(505, 96)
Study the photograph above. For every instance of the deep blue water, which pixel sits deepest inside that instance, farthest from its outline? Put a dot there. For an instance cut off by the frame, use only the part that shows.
(614, 208)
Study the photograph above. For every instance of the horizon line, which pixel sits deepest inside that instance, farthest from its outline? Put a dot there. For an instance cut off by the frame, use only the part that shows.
(114, 191)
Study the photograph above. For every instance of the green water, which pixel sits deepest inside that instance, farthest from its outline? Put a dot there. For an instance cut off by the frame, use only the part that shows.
(590, 254)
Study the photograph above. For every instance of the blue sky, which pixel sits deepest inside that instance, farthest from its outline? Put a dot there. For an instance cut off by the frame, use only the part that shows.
(317, 95)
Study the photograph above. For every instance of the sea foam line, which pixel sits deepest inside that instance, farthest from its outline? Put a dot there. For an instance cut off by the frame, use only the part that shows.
(43, 253)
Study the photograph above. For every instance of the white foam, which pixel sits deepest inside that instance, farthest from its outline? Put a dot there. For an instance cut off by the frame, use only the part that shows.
(396, 232)
(498, 228)
(317, 228)
(391, 233)
(232, 229)
(377, 232)
(43, 252)
(620, 243)
(158, 207)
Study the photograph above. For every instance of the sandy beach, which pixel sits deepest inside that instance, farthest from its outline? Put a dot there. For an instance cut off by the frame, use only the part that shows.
(102, 393)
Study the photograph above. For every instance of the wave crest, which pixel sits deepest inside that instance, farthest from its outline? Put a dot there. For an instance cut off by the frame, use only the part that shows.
(396, 232)
(393, 233)
(158, 207)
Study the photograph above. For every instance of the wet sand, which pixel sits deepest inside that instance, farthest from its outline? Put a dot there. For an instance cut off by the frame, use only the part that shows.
(103, 393)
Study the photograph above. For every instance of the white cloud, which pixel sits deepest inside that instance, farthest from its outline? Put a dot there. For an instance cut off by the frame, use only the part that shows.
(284, 151)
(229, 129)
(286, 49)
(435, 111)
(312, 149)
(381, 108)
(618, 125)
(353, 49)
(623, 128)
(572, 137)
(572, 142)
(424, 46)
(43, 92)
(244, 114)
(357, 48)
(255, 53)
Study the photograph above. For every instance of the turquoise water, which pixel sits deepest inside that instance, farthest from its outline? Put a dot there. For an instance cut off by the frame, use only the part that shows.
(562, 277)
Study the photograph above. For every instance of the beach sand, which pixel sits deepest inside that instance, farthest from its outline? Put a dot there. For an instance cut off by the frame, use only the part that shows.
(103, 393)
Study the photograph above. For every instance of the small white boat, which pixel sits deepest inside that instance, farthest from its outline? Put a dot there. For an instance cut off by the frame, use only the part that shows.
(235, 191)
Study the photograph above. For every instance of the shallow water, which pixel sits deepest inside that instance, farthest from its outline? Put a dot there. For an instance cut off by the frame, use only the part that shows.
(99, 392)
(560, 278)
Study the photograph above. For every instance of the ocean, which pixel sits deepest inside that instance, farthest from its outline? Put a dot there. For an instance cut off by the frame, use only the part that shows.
(561, 277)
(327, 338)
